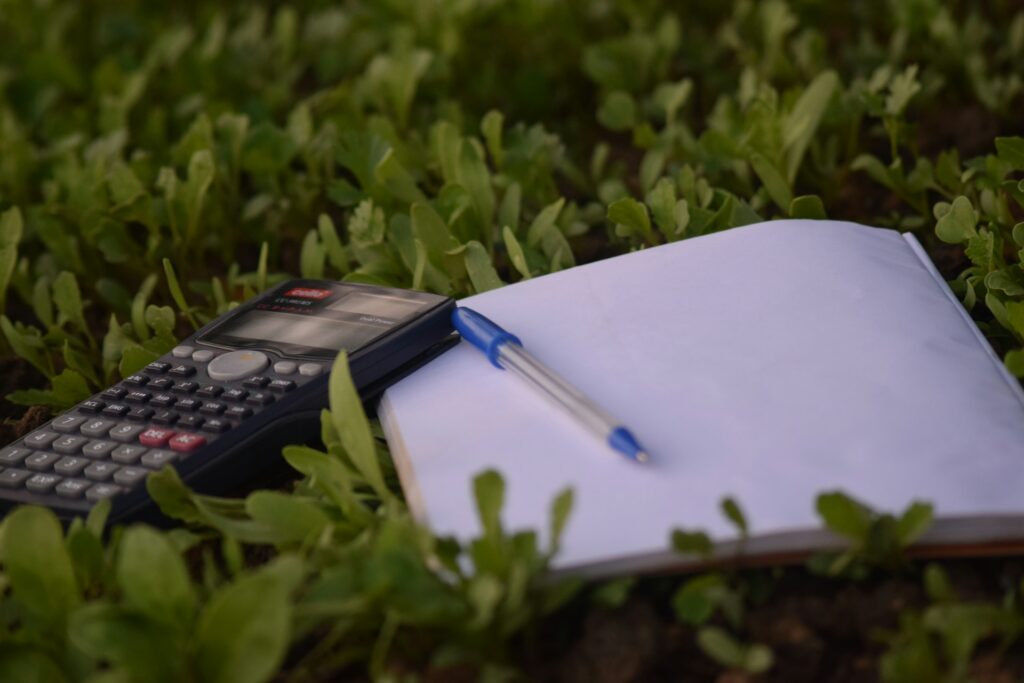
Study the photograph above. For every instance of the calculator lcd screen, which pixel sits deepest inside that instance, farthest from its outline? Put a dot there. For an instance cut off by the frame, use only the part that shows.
(295, 334)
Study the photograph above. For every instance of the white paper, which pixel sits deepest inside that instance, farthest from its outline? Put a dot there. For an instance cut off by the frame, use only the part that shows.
(769, 363)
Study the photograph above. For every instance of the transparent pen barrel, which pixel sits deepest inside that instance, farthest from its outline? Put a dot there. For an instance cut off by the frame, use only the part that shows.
(514, 359)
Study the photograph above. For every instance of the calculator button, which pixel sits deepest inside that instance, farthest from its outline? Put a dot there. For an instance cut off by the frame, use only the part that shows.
(138, 396)
(126, 454)
(40, 462)
(188, 404)
(163, 401)
(310, 369)
(256, 382)
(235, 395)
(91, 406)
(114, 393)
(260, 398)
(212, 408)
(140, 414)
(96, 428)
(154, 437)
(12, 479)
(165, 417)
(116, 410)
(67, 424)
(182, 351)
(157, 459)
(185, 387)
(182, 371)
(41, 483)
(280, 386)
(238, 412)
(186, 443)
(41, 439)
(100, 491)
(216, 426)
(191, 422)
(236, 365)
(136, 380)
(130, 476)
(210, 391)
(284, 367)
(203, 356)
(70, 467)
(100, 471)
(157, 368)
(72, 488)
(126, 433)
(13, 455)
(69, 445)
(99, 449)
(161, 383)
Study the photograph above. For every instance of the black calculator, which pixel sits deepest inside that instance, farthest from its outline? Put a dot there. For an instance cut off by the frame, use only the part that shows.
(221, 405)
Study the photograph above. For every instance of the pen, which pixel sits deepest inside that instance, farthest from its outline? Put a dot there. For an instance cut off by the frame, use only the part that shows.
(506, 352)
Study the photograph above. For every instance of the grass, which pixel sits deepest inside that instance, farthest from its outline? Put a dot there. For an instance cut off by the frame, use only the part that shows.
(159, 165)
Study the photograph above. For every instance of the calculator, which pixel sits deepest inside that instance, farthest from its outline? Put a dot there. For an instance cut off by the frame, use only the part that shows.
(221, 405)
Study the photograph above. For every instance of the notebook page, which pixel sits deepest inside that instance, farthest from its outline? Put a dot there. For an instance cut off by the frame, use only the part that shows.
(770, 363)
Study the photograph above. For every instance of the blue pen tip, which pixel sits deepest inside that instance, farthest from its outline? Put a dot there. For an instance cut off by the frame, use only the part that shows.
(624, 442)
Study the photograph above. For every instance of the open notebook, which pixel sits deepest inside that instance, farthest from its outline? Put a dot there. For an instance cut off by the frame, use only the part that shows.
(769, 362)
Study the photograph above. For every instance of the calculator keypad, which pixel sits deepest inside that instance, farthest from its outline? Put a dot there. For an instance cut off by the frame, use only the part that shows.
(166, 413)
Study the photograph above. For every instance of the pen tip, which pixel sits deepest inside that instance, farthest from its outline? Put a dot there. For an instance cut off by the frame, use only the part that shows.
(641, 456)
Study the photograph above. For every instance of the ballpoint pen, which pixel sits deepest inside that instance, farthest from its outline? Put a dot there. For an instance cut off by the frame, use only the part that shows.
(506, 352)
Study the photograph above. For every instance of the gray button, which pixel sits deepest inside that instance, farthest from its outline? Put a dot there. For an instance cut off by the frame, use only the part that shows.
(101, 491)
(284, 367)
(40, 439)
(40, 462)
(127, 454)
(72, 488)
(69, 445)
(41, 483)
(202, 355)
(66, 424)
(12, 479)
(96, 428)
(70, 466)
(130, 476)
(236, 365)
(182, 351)
(99, 449)
(12, 455)
(310, 369)
(157, 459)
(126, 433)
(100, 471)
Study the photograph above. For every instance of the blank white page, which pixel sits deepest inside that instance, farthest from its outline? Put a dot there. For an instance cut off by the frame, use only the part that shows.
(769, 362)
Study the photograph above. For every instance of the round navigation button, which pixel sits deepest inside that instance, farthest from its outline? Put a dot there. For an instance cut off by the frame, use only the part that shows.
(310, 369)
(236, 365)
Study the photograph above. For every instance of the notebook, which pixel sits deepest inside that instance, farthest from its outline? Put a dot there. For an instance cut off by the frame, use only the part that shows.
(768, 363)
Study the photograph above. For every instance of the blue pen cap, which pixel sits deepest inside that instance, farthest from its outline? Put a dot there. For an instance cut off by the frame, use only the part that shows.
(482, 333)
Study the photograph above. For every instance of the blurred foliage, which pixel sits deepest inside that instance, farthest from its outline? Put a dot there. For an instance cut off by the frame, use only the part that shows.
(161, 162)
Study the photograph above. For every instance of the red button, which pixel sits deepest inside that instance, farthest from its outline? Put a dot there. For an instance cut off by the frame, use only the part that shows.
(186, 443)
(155, 438)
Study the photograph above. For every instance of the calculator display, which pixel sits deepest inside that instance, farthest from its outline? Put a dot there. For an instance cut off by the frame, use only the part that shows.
(298, 330)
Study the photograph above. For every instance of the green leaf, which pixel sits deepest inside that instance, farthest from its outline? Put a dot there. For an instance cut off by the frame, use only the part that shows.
(145, 649)
(291, 518)
(515, 252)
(312, 257)
(662, 201)
(243, 632)
(335, 250)
(489, 493)
(1011, 150)
(618, 111)
(807, 206)
(352, 426)
(844, 515)
(480, 268)
(958, 225)
(154, 579)
(24, 664)
(37, 564)
(1014, 361)
(774, 182)
(11, 228)
(491, 126)
(176, 293)
(68, 299)
(632, 216)
(717, 644)
(692, 543)
(914, 521)
(561, 507)
(803, 120)
(267, 150)
(731, 509)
